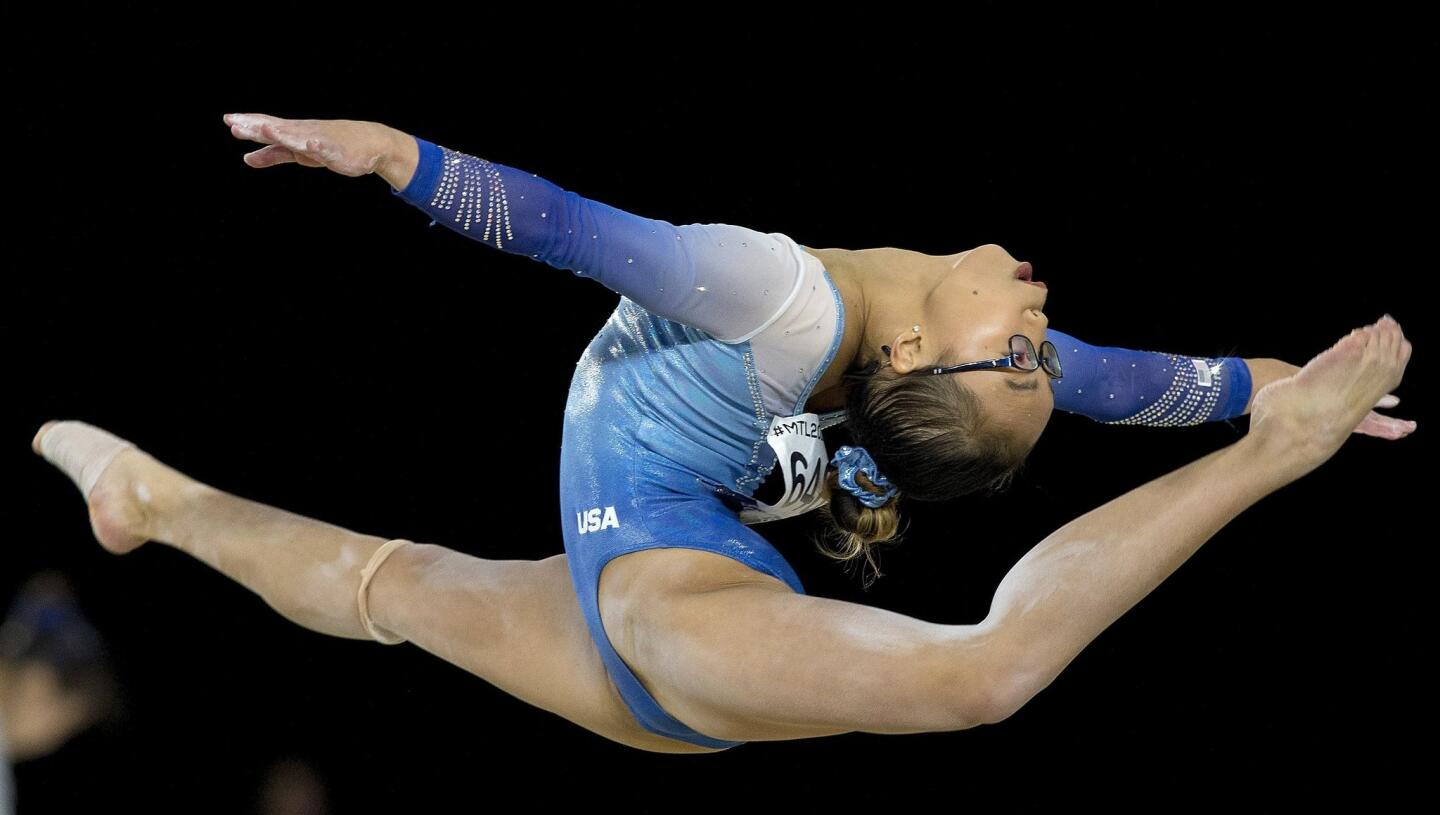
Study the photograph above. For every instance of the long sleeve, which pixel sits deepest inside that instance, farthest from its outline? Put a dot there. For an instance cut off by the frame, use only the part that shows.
(726, 280)
(1121, 386)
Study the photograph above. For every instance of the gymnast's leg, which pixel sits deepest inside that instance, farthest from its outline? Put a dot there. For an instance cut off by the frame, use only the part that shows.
(514, 623)
(753, 661)
(1082, 577)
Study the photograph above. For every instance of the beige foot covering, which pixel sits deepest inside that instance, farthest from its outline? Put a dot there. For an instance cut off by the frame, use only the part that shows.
(379, 634)
(81, 451)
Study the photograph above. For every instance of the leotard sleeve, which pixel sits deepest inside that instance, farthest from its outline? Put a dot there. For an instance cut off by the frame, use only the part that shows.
(1121, 386)
(729, 281)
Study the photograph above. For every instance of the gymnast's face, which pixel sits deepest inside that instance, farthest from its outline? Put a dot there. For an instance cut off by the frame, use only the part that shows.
(975, 306)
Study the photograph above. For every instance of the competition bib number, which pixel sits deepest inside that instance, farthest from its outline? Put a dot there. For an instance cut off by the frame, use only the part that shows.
(800, 464)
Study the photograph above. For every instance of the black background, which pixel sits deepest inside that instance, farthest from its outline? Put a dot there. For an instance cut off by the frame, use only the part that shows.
(1207, 186)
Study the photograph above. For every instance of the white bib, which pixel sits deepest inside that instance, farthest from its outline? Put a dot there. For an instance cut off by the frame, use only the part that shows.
(800, 462)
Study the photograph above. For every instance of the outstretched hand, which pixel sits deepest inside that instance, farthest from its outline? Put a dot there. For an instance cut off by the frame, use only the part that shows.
(348, 147)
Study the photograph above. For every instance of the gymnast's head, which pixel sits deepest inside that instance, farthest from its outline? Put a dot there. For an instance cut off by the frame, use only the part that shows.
(939, 437)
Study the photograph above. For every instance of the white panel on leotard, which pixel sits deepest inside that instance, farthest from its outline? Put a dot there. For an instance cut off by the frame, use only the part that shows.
(789, 349)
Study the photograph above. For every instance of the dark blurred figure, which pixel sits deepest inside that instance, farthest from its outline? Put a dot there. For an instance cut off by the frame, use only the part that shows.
(292, 787)
(56, 679)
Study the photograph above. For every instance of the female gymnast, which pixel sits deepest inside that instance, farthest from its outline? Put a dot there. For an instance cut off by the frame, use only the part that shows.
(696, 412)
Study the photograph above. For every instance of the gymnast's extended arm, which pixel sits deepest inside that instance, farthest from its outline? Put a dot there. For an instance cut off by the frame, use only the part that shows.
(731, 281)
(726, 280)
(1124, 386)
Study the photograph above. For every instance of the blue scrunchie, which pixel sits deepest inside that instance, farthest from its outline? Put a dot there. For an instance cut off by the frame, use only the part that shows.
(847, 461)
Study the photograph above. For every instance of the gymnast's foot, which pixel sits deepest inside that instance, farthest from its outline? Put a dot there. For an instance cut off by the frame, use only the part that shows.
(1316, 409)
(124, 486)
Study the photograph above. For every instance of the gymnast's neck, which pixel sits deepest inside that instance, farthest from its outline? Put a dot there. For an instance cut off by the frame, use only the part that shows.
(878, 287)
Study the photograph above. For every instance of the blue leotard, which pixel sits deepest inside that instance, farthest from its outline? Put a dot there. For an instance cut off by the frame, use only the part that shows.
(693, 391)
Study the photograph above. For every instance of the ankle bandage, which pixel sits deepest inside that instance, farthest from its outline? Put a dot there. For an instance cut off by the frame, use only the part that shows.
(379, 634)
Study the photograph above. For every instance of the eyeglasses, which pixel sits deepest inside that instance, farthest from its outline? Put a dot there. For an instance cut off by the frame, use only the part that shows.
(1022, 356)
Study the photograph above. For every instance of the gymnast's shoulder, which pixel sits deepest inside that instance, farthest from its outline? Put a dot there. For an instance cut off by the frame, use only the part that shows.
(859, 261)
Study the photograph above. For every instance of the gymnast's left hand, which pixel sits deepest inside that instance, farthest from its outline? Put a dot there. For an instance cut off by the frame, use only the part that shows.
(348, 147)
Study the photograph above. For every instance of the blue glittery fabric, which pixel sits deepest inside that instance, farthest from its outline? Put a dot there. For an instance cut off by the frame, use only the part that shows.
(849, 461)
(1124, 386)
(728, 281)
(648, 394)
(665, 429)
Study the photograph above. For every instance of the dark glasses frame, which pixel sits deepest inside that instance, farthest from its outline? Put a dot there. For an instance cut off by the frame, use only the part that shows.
(1048, 358)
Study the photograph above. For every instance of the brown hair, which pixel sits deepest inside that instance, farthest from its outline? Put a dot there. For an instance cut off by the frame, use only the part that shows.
(931, 438)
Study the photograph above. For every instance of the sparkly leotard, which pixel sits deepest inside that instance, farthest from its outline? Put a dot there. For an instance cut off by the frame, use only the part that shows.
(685, 422)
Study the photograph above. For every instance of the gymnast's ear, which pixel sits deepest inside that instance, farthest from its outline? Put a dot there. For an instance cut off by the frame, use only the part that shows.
(904, 354)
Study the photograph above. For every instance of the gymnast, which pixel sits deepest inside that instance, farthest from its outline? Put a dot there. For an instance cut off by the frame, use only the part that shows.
(697, 412)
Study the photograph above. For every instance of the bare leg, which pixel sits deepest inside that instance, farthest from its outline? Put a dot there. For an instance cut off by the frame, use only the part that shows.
(514, 623)
(1082, 577)
(739, 656)
(307, 570)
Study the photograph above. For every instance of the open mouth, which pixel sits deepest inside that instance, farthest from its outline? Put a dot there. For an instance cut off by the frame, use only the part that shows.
(1026, 272)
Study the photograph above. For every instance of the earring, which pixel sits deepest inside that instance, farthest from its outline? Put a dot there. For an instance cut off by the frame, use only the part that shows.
(915, 328)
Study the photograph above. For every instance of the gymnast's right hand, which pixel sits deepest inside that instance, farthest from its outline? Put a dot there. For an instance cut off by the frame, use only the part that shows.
(348, 147)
